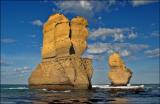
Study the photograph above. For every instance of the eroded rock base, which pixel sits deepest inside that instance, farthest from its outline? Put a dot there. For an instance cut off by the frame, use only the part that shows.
(119, 77)
(61, 73)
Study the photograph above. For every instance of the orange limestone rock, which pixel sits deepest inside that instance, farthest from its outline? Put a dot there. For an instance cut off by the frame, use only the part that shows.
(62, 67)
(79, 34)
(118, 74)
(56, 40)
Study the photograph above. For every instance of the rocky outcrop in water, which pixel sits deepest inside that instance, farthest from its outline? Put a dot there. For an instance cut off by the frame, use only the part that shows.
(62, 67)
(119, 74)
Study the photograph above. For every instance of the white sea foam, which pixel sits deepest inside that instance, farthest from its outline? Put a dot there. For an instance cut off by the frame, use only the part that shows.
(119, 87)
(100, 86)
(44, 89)
(8, 103)
(16, 88)
(67, 91)
(62, 91)
(55, 90)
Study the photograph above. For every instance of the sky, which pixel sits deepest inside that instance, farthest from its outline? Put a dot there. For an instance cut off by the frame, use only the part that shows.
(129, 27)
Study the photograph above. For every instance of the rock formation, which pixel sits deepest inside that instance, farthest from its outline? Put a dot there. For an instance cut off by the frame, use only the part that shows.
(118, 74)
(62, 67)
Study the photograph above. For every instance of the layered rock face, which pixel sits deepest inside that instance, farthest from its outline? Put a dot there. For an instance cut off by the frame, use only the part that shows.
(118, 74)
(62, 67)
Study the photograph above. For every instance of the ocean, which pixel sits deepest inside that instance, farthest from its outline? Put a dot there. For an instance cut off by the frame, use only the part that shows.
(21, 94)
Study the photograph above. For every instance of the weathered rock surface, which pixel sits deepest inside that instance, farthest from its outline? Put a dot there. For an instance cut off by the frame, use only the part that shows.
(118, 74)
(62, 67)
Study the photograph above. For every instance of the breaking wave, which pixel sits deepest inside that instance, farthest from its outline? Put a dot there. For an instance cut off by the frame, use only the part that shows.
(16, 88)
(55, 90)
(121, 87)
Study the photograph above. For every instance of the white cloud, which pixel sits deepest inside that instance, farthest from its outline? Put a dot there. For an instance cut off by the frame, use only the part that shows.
(96, 49)
(119, 34)
(155, 34)
(132, 35)
(99, 18)
(142, 2)
(37, 22)
(88, 56)
(153, 53)
(98, 57)
(86, 8)
(125, 53)
(77, 7)
(4, 63)
(23, 69)
(125, 49)
(86, 5)
(33, 35)
(35, 44)
(7, 40)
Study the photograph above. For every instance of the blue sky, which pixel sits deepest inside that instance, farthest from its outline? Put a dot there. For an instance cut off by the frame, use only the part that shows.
(129, 27)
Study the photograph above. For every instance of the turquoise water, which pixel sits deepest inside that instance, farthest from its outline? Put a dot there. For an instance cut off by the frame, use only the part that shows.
(21, 94)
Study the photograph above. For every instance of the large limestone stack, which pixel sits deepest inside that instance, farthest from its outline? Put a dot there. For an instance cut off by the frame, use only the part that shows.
(62, 67)
(56, 40)
(118, 74)
(79, 34)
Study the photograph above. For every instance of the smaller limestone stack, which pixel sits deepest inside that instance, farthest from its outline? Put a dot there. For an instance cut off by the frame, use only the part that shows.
(118, 74)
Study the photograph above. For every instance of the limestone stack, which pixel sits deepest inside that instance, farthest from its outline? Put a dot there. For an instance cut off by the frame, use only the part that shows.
(62, 67)
(119, 74)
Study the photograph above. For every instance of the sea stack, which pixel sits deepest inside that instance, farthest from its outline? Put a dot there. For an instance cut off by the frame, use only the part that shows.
(119, 74)
(61, 66)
